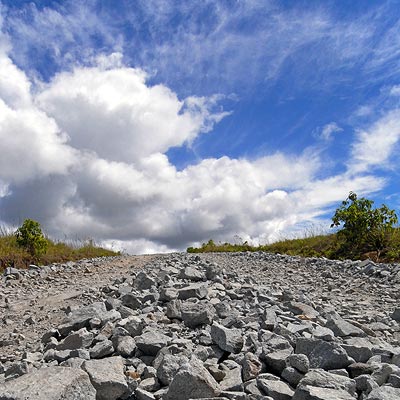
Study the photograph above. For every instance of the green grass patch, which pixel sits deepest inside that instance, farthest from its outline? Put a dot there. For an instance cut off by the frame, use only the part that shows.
(57, 252)
(311, 246)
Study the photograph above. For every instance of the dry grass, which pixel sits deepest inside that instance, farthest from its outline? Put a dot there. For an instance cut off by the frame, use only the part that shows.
(13, 255)
(310, 246)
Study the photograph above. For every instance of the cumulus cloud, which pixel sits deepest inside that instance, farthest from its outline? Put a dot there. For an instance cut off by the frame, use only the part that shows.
(100, 105)
(85, 154)
(375, 145)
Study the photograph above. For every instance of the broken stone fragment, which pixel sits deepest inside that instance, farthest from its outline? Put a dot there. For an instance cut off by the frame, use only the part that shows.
(195, 290)
(230, 340)
(277, 389)
(52, 383)
(77, 340)
(193, 381)
(317, 393)
(151, 342)
(196, 314)
(107, 376)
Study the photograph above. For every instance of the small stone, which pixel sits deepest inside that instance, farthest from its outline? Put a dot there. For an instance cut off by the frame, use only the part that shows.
(126, 346)
(102, 349)
(151, 342)
(300, 362)
(278, 390)
(251, 367)
(230, 340)
(196, 314)
(195, 290)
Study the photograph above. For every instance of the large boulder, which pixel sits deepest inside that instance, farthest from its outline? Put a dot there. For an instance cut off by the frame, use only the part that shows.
(107, 376)
(193, 381)
(52, 383)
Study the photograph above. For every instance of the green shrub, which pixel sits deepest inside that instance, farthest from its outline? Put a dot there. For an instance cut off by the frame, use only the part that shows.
(364, 229)
(30, 237)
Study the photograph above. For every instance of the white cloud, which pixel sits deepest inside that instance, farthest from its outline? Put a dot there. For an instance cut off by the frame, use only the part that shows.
(395, 90)
(375, 146)
(112, 112)
(224, 48)
(85, 155)
(328, 130)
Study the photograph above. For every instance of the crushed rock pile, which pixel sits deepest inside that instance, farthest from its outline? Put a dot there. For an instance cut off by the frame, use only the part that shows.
(229, 326)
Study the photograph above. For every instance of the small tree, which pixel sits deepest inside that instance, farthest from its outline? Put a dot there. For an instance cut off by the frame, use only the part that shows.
(364, 228)
(30, 237)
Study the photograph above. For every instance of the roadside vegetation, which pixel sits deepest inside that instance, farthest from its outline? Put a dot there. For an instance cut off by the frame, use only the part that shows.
(28, 245)
(361, 231)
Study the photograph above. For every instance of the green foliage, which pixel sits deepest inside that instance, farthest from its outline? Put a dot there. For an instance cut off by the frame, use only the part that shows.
(364, 228)
(13, 254)
(30, 237)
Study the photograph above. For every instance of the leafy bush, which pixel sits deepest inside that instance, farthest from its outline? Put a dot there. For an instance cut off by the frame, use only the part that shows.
(364, 229)
(30, 237)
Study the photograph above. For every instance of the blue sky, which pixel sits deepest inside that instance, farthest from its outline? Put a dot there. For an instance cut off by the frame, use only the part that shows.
(154, 125)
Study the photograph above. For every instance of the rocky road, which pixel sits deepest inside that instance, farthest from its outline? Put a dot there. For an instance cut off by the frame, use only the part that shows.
(180, 326)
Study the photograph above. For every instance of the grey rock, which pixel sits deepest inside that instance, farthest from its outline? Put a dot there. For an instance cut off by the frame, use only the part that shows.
(342, 328)
(131, 301)
(125, 346)
(193, 381)
(232, 381)
(196, 314)
(278, 390)
(77, 340)
(151, 342)
(325, 379)
(292, 376)
(150, 384)
(169, 366)
(143, 281)
(276, 360)
(323, 333)
(107, 376)
(230, 340)
(328, 355)
(358, 348)
(133, 324)
(269, 319)
(300, 362)
(80, 318)
(174, 309)
(384, 393)
(168, 294)
(52, 383)
(251, 367)
(102, 349)
(142, 394)
(317, 393)
(192, 274)
(195, 290)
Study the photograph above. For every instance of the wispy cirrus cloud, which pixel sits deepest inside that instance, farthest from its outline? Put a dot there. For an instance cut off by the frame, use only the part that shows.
(208, 44)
